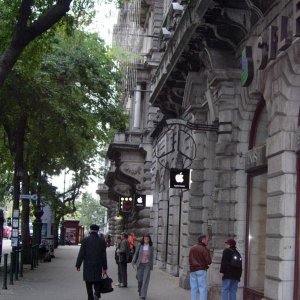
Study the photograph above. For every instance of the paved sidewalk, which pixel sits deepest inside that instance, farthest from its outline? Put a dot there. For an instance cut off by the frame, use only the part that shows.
(58, 280)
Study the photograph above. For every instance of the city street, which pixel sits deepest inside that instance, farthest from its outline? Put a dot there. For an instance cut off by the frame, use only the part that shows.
(59, 280)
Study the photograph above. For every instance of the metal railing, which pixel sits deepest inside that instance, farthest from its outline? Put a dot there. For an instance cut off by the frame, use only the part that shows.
(34, 256)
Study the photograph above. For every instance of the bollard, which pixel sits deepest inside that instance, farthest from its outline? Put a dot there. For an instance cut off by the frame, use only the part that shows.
(31, 260)
(35, 260)
(37, 255)
(21, 264)
(16, 265)
(11, 273)
(4, 287)
(34, 256)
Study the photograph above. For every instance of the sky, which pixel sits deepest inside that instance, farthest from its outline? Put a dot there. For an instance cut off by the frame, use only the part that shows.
(106, 17)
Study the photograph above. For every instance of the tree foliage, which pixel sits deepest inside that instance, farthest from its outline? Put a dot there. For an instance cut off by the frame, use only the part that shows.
(70, 102)
(58, 104)
(24, 21)
(91, 212)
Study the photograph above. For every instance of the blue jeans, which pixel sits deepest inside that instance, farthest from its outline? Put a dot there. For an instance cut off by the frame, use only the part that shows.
(198, 283)
(229, 289)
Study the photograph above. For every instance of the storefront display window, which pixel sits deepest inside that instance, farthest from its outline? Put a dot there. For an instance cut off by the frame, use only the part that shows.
(256, 167)
(257, 233)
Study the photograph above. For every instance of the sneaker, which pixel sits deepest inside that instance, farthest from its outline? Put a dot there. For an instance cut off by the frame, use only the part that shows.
(117, 284)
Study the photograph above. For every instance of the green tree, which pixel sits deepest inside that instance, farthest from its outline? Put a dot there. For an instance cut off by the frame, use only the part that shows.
(59, 115)
(24, 21)
(91, 212)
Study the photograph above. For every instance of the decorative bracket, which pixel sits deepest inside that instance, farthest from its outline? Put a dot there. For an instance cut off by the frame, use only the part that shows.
(177, 133)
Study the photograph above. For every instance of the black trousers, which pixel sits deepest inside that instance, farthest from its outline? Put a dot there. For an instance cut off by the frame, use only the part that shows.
(119, 273)
(123, 267)
(89, 289)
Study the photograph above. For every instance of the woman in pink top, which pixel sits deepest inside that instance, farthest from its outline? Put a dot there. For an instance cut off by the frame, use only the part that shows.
(143, 259)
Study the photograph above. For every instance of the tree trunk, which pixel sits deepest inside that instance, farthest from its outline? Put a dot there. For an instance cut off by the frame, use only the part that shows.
(24, 35)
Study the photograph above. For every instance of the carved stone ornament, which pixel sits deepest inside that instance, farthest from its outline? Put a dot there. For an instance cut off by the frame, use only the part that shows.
(122, 189)
(134, 170)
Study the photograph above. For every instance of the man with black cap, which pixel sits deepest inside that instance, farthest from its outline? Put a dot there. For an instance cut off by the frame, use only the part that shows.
(231, 270)
(93, 255)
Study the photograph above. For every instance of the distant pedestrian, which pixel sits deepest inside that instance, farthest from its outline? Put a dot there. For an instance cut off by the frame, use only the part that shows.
(131, 240)
(231, 270)
(143, 259)
(93, 255)
(124, 252)
(117, 259)
(199, 260)
(108, 240)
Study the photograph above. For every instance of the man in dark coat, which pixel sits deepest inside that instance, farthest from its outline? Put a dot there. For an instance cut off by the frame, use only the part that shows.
(93, 255)
(230, 271)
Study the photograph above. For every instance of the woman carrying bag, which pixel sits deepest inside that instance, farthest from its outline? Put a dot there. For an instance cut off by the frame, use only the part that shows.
(143, 259)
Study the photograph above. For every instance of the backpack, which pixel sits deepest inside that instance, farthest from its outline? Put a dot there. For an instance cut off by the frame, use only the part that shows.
(236, 259)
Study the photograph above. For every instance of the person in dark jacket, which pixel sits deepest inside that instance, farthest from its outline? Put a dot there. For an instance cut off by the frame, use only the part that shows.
(93, 255)
(124, 252)
(199, 260)
(231, 275)
(117, 258)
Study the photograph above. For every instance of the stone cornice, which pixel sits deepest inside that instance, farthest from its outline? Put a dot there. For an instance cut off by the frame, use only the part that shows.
(215, 77)
(183, 33)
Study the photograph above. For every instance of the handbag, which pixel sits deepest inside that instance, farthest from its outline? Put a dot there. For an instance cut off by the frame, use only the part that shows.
(122, 258)
(106, 284)
(129, 257)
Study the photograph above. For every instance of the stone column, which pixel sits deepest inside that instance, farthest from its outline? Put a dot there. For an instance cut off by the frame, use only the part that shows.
(137, 107)
(163, 225)
(196, 208)
(229, 194)
(283, 109)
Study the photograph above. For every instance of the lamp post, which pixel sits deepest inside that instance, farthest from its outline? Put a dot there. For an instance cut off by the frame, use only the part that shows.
(1, 231)
(38, 213)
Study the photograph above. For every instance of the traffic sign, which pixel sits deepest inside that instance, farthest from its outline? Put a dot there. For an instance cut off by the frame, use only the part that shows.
(29, 197)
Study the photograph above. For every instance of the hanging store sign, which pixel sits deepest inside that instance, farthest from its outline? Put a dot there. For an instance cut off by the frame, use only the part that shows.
(278, 39)
(180, 178)
(126, 204)
(247, 66)
(255, 158)
(298, 140)
(140, 200)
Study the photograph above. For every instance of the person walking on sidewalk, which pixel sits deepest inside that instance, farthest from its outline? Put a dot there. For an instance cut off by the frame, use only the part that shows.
(199, 260)
(231, 270)
(131, 240)
(143, 259)
(93, 255)
(117, 259)
(124, 252)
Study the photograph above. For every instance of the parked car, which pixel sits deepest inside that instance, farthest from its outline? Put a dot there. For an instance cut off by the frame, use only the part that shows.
(6, 232)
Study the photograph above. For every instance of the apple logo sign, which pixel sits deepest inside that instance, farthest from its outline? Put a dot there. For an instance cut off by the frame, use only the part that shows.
(139, 200)
(179, 177)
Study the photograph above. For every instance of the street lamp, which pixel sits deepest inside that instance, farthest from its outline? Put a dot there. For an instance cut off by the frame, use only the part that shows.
(38, 213)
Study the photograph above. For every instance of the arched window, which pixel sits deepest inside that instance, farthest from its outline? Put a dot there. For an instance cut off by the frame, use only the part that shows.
(256, 207)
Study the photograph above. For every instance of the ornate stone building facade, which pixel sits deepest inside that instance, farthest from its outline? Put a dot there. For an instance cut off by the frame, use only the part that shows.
(218, 93)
